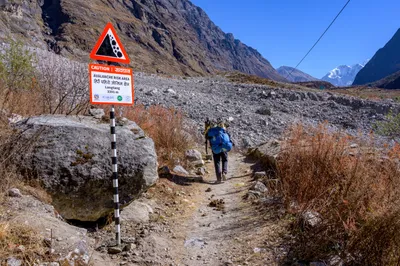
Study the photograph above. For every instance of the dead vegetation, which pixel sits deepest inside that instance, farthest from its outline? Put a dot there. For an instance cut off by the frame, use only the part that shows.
(353, 186)
(167, 128)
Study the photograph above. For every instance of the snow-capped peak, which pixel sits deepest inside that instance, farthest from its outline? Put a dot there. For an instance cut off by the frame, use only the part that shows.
(343, 75)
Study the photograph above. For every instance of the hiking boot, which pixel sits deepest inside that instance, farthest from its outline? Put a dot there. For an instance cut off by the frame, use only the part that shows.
(223, 177)
(218, 182)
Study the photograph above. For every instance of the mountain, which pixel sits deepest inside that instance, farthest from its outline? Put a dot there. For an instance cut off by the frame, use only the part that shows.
(343, 75)
(164, 36)
(385, 62)
(295, 74)
(389, 82)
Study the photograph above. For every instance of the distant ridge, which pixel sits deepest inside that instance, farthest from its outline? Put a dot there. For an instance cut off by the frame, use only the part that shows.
(294, 75)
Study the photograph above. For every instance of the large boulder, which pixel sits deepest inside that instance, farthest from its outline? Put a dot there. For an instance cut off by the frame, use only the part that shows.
(71, 157)
(267, 155)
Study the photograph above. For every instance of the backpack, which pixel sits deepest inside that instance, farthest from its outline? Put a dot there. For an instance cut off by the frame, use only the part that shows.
(219, 139)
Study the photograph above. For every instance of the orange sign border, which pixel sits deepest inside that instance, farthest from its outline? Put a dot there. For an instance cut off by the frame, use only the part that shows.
(93, 54)
(111, 71)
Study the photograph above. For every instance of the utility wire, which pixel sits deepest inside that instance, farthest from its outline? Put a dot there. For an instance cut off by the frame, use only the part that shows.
(333, 21)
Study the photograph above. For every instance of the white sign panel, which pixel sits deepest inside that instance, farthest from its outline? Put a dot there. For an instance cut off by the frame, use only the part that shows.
(111, 85)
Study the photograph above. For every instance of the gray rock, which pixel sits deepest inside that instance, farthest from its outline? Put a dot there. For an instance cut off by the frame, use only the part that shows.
(14, 262)
(264, 111)
(14, 193)
(354, 145)
(311, 218)
(267, 154)
(114, 250)
(170, 91)
(259, 186)
(71, 158)
(193, 155)
(129, 247)
(199, 163)
(96, 113)
(201, 171)
(180, 170)
(259, 175)
(137, 212)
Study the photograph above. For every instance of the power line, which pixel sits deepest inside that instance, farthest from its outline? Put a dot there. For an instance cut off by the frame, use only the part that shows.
(333, 21)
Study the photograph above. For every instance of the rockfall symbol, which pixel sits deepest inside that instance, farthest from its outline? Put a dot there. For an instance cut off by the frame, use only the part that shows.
(109, 47)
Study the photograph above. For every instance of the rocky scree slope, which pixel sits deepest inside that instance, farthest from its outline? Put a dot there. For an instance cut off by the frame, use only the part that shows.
(385, 62)
(295, 74)
(164, 36)
(259, 113)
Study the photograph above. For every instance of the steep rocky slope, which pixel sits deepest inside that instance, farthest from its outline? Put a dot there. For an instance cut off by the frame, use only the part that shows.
(384, 63)
(389, 82)
(294, 75)
(164, 36)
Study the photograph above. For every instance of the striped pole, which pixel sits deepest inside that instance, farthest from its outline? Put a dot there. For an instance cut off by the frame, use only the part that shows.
(115, 176)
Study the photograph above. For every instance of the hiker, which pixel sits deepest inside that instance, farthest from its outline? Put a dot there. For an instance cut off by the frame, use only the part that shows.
(221, 144)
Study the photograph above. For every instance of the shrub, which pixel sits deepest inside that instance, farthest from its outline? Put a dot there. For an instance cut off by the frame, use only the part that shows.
(17, 76)
(166, 126)
(390, 127)
(356, 190)
(50, 86)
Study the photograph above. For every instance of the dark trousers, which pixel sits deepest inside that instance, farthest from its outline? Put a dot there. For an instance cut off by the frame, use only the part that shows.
(223, 156)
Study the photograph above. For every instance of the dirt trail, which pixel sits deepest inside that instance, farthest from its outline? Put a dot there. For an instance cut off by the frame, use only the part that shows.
(189, 232)
(231, 235)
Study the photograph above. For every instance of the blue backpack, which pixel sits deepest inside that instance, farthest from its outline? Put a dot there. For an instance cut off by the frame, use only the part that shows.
(219, 140)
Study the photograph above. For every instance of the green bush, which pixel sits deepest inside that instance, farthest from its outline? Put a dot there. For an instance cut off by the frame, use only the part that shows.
(17, 74)
(390, 127)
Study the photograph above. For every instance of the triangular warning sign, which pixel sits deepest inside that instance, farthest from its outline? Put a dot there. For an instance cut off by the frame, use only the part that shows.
(109, 47)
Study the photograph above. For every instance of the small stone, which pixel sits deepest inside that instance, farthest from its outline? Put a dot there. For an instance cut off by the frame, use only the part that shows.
(114, 250)
(259, 186)
(59, 239)
(96, 113)
(14, 262)
(208, 189)
(129, 247)
(170, 91)
(14, 193)
(199, 163)
(193, 155)
(20, 249)
(311, 218)
(354, 145)
(259, 175)
(180, 170)
(201, 171)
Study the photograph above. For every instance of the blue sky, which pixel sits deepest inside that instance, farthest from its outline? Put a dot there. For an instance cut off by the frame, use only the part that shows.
(284, 30)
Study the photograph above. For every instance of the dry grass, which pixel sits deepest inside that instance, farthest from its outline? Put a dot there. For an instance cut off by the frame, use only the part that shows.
(21, 242)
(355, 190)
(166, 126)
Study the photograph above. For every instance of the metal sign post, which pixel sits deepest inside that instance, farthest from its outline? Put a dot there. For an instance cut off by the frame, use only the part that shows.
(115, 175)
(111, 85)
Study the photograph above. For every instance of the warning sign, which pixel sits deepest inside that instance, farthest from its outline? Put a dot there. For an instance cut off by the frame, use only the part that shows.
(109, 47)
(111, 85)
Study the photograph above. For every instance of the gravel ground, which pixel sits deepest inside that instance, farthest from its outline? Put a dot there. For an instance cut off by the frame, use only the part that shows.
(258, 113)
